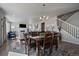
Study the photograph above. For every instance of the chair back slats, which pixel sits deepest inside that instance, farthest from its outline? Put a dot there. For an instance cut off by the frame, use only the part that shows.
(48, 38)
(34, 33)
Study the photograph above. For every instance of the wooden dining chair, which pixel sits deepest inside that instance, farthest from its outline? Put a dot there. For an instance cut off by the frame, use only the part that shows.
(55, 40)
(46, 44)
(26, 43)
(33, 42)
(29, 43)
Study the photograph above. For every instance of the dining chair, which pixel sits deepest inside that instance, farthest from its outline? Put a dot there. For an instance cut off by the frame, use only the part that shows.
(60, 36)
(46, 45)
(33, 42)
(55, 40)
(26, 43)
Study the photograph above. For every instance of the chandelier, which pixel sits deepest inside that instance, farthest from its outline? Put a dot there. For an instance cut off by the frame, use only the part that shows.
(44, 17)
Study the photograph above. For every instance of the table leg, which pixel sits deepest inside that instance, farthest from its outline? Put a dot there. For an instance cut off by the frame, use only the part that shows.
(26, 43)
(51, 46)
(27, 48)
(37, 47)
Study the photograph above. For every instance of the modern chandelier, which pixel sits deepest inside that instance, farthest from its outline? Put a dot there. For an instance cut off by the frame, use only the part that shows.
(44, 17)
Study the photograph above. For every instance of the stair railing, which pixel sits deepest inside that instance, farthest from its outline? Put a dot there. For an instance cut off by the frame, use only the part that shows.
(69, 28)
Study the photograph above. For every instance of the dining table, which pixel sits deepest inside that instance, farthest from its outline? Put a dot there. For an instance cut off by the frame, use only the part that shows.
(37, 40)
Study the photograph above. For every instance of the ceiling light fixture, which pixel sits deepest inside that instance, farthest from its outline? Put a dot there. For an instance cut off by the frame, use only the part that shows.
(43, 5)
(44, 17)
(40, 18)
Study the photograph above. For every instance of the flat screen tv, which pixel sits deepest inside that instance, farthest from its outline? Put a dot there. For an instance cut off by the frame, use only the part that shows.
(22, 25)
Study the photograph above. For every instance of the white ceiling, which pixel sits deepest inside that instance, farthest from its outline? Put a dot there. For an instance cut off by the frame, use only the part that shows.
(18, 12)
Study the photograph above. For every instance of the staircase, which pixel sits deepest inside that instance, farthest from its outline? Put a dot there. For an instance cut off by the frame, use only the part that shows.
(70, 33)
(65, 16)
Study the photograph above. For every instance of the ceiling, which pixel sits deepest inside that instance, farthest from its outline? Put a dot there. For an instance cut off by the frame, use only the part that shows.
(19, 12)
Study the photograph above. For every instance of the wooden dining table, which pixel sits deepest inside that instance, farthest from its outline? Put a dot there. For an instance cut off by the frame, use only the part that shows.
(37, 39)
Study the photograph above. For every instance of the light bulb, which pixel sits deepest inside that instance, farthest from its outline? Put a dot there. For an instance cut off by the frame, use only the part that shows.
(47, 17)
(44, 16)
(40, 18)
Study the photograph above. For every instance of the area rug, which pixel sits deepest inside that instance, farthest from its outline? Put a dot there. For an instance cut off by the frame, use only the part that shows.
(59, 52)
(62, 52)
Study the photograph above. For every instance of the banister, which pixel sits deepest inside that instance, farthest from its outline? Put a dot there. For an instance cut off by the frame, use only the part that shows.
(71, 29)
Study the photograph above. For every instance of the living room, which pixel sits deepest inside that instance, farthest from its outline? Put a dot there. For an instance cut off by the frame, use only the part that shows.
(34, 20)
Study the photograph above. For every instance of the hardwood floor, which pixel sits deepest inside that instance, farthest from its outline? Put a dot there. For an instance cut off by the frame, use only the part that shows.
(71, 47)
(4, 49)
(68, 46)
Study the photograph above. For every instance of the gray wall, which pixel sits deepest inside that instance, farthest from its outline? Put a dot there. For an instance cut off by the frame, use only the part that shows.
(74, 19)
(2, 25)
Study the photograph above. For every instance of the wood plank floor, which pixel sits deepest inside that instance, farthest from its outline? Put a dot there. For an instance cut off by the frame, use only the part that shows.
(68, 46)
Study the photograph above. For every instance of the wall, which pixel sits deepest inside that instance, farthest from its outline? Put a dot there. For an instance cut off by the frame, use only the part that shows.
(2, 30)
(0, 33)
(15, 28)
(2, 26)
(52, 22)
(11, 26)
(7, 27)
(48, 24)
(74, 19)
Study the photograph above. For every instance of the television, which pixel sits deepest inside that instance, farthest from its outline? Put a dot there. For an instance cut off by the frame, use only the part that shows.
(22, 25)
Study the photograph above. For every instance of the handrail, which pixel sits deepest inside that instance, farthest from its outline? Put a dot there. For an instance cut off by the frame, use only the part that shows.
(71, 29)
(69, 23)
